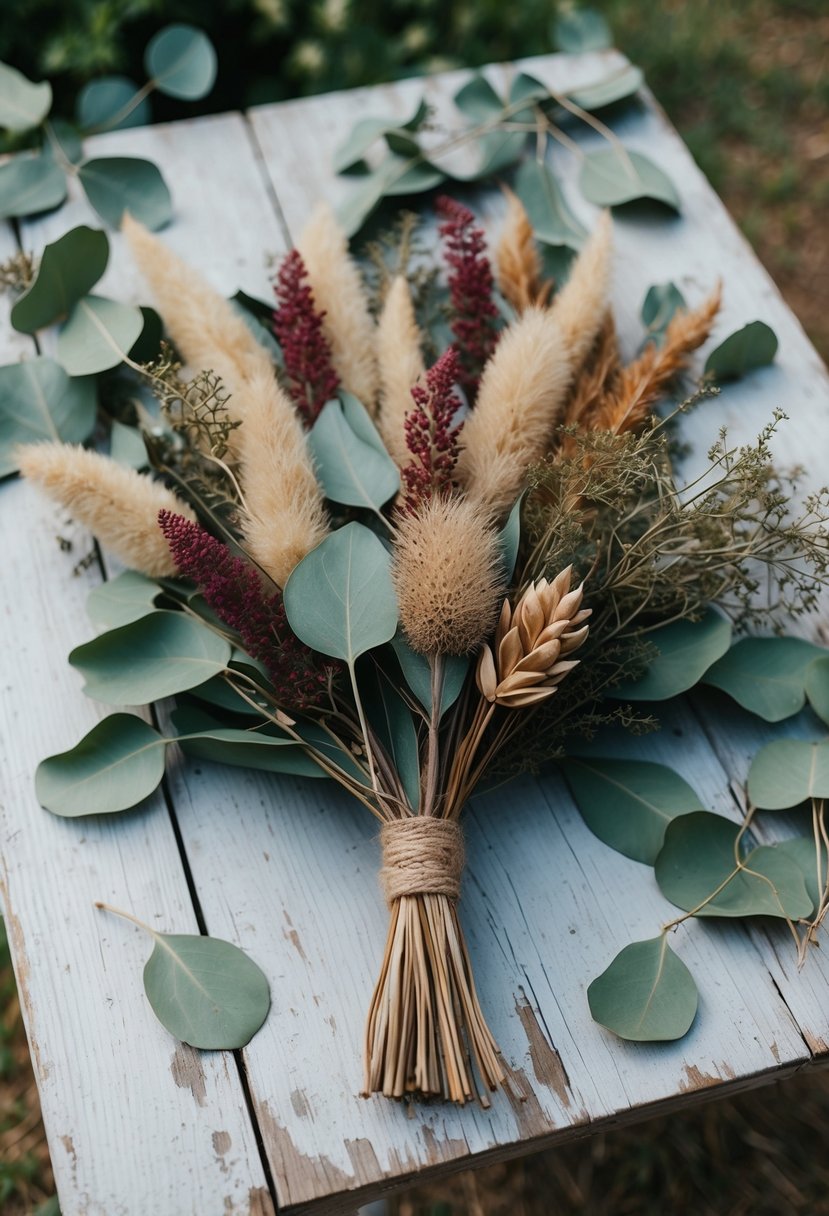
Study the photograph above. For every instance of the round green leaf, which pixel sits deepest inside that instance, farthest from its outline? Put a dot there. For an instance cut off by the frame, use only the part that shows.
(115, 184)
(658, 308)
(181, 61)
(205, 991)
(67, 137)
(647, 994)
(786, 772)
(207, 739)
(416, 179)
(817, 687)
(478, 100)
(629, 803)
(352, 466)
(550, 215)
(39, 401)
(29, 184)
(767, 676)
(115, 766)
(340, 599)
(755, 345)
(364, 133)
(698, 857)
(127, 447)
(610, 179)
(100, 101)
(69, 268)
(23, 105)
(618, 86)
(686, 650)
(121, 600)
(97, 335)
(150, 658)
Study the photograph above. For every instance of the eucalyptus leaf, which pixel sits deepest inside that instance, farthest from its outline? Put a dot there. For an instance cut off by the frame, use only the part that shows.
(552, 220)
(115, 184)
(23, 104)
(402, 143)
(613, 88)
(527, 88)
(121, 600)
(38, 400)
(577, 30)
(126, 446)
(497, 150)
(755, 345)
(510, 538)
(351, 470)
(391, 717)
(817, 687)
(217, 692)
(659, 307)
(101, 101)
(204, 738)
(368, 130)
(181, 61)
(478, 99)
(153, 657)
(68, 269)
(205, 991)
(65, 136)
(317, 737)
(610, 178)
(97, 335)
(628, 804)
(30, 184)
(767, 676)
(340, 599)
(414, 179)
(686, 650)
(115, 766)
(647, 994)
(698, 857)
(802, 851)
(417, 673)
(786, 772)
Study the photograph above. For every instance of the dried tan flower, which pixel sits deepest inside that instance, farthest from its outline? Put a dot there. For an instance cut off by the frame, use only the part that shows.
(517, 260)
(338, 291)
(284, 517)
(400, 363)
(532, 643)
(448, 576)
(119, 506)
(580, 307)
(519, 403)
(204, 327)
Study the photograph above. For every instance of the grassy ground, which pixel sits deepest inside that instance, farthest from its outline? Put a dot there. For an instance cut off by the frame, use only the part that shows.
(747, 84)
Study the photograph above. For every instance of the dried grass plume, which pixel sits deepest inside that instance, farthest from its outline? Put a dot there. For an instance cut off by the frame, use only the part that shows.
(522, 393)
(579, 308)
(119, 506)
(338, 292)
(448, 577)
(518, 262)
(400, 363)
(285, 516)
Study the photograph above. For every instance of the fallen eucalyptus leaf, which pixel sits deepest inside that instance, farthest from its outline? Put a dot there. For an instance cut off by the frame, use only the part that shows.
(113, 767)
(38, 400)
(787, 772)
(552, 220)
(69, 268)
(30, 184)
(803, 852)
(767, 676)
(181, 61)
(687, 649)
(102, 100)
(368, 130)
(352, 469)
(115, 184)
(647, 994)
(609, 179)
(23, 104)
(478, 99)
(628, 804)
(698, 857)
(97, 335)
(618, 86)
(661, 303)
(755, 345)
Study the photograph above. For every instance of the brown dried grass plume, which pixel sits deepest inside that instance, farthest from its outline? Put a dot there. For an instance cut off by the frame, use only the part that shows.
(401, 364)
(448, 576)
(119, 506)
(579, 308)
(517, 260)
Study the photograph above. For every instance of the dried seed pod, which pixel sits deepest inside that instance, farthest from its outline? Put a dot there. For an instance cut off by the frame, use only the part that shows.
(528, 659)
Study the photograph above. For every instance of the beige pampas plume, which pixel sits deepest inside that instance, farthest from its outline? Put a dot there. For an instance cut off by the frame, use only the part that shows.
(579, 308)
(284, 517)
(400, 364)
(517, 259)
(119, 506)
(338, 291)
(521, 396)
(202, 324)
(448, 577)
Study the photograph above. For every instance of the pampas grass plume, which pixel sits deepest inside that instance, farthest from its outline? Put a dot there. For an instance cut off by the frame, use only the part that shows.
(447, 574)
(400, 363)
(517, 259)
(338, 292)
(579, 308)
(284, 517)
(119, 506)
(521, 396)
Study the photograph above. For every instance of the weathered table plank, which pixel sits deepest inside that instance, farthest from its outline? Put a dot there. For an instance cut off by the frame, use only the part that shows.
(287, 869)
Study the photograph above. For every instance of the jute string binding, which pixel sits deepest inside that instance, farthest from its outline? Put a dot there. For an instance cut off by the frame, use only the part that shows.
(421, 856)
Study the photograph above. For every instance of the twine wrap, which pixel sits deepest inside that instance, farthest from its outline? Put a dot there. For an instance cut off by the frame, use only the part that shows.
(421, 856)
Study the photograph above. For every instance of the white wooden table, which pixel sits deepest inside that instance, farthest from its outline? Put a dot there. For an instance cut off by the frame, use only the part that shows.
(287, 870)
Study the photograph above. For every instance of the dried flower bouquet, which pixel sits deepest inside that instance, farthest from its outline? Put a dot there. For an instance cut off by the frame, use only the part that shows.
(402, 560)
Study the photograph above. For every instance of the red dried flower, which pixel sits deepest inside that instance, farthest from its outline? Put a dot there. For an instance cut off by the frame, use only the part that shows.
(474, 313)
(298, 327)
(430, 436)
(233, 590)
